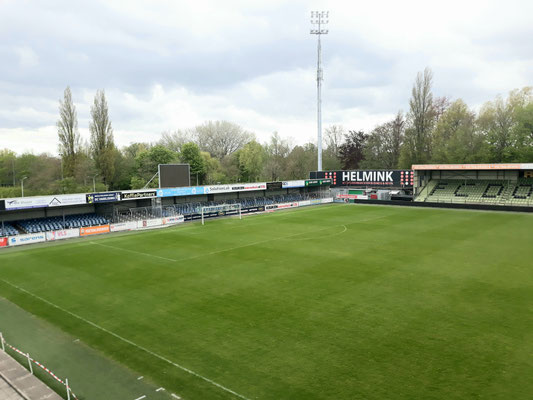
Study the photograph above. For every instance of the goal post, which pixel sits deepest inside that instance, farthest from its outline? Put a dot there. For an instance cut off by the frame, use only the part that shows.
(222, 209)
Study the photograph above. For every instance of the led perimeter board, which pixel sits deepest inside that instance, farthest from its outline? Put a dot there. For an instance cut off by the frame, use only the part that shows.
(391, 178)
(174, 175)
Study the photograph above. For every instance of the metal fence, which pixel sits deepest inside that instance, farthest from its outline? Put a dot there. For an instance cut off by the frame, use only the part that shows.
(32, 361)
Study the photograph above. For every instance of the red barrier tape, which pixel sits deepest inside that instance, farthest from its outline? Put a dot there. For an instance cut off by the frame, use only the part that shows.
(41, 366)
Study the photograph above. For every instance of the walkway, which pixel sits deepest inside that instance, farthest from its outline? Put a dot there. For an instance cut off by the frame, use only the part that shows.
(28, 387)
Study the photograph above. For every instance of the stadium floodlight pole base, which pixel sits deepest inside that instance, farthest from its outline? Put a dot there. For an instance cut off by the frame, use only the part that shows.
(223, 208)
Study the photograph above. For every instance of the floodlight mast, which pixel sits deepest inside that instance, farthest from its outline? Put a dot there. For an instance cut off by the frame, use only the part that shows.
(319, 18)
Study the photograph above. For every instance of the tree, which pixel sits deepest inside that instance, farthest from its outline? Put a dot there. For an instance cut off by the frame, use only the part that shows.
(251, 161)
(102, 143)
(221, 138)
(333, 136)
(351, 152)
(147, 162)
(523, 133)
(498, 120)
(420, 121)
(69, 136)
(300, 161)
(214, 173)
(7, 167)
(330, 156)
(174, 140)
(190, 154)
(383, 145)
(456, 139)
(276, 161)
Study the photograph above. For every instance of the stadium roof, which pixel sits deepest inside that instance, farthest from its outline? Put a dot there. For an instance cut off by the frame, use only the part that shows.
(471, 166)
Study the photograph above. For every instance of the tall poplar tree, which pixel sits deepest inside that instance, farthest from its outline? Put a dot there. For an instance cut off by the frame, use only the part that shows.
(69, 136)
(102, 143)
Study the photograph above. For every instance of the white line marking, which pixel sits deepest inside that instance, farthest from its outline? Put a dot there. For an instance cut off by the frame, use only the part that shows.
(142, 397)
(130, 342)
(133, 251)
(161, 388)
(253, 244)
(175, 396)
(325, 236)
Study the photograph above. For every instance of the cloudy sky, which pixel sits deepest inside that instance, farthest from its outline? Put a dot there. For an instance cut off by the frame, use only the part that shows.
(168, 65)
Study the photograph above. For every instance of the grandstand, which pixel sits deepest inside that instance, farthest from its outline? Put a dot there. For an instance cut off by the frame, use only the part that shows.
(56, 223)
(6, 229)
(490, 184)
(120, 214)
(194, 208)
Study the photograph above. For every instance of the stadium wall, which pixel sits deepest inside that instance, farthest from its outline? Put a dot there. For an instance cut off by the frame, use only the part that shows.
(446, 205)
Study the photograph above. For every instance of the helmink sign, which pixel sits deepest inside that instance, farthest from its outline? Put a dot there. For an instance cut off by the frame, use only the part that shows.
(374, 178)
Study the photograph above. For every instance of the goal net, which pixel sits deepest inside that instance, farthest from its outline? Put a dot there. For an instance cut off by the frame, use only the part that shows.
(220, 210)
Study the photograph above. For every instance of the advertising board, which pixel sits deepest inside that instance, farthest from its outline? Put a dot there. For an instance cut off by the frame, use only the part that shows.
(3, 242)
(18, 203)
(293, 184)
(274, 185)
(180, 191)
(247, 210)
(281, 206)
(388, 178)
(178, 219)
(327, 200)
(352, 196)
(26, 239)
(104, 197)
(240, 187)
(94, 230)
(63, 234)
(123, 226)
(318, 182)
(138, 194)
(149, 223)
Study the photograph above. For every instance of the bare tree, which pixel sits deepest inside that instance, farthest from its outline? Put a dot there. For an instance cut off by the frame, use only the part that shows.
(69, 136)
(174, 140)
(221, 138)
(334, 135)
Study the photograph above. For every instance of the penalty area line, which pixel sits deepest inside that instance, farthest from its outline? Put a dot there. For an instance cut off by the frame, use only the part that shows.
(162, 358)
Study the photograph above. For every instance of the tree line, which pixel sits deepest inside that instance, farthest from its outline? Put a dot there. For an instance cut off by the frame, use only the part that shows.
(434, 130)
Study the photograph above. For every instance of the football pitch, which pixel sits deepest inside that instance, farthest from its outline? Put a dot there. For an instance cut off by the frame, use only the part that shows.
(328, 302)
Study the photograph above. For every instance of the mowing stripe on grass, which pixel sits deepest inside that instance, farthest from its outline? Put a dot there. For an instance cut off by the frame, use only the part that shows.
(129, 342)
(133, 251)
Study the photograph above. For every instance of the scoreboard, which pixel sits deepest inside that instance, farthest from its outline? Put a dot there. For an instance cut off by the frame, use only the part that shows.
(392, 178)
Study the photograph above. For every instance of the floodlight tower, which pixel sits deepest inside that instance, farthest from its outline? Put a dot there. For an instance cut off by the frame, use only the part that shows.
(319, 18)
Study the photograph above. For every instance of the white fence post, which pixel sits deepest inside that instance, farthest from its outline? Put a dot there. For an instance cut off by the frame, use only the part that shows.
(29, 362)
(2, 340)
(68, 388)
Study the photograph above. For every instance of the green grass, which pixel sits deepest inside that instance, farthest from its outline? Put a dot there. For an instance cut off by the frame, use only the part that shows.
(331, 302)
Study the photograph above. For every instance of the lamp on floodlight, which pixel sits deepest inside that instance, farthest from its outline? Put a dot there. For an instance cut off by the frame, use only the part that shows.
(94, 183)
(320, 19)
(22, 185)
